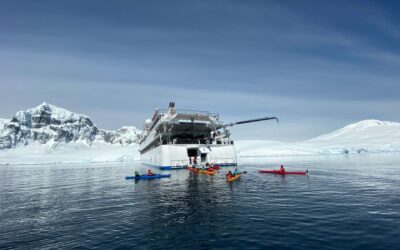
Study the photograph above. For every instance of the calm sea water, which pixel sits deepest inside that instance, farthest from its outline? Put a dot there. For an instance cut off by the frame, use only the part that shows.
(346, 202)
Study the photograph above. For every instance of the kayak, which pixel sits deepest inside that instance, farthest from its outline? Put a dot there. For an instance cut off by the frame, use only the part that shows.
(147, 177)
(282, 173)
(193, 169)
(207, 172)
(233, 178)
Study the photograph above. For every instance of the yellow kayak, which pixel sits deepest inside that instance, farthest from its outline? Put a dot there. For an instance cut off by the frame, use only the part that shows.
(233, 178)
(207, 172)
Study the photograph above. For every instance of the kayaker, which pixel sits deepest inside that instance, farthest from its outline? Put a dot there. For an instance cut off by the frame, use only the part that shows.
(236, 172)
(229, 174)
(195, 160)
(282, 169)
(216, 167)
(137, 174)
(149, 172)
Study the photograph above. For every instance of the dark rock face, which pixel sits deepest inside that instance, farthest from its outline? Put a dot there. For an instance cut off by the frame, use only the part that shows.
(47, 123)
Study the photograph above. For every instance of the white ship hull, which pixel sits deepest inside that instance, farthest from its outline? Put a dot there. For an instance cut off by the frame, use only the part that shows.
(176, 138)
(175, 156)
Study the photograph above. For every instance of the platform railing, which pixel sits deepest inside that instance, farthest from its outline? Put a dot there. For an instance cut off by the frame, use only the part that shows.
(212, 160)
(200, 142)
(188, 112)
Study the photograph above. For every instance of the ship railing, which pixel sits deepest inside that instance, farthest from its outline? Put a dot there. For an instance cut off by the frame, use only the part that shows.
(190, 141)
(179, 121)
(175, 163)
(222, 160)
(187, 112)
(200, 141)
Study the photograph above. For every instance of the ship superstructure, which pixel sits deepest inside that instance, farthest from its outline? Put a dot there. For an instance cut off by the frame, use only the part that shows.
(176, 138)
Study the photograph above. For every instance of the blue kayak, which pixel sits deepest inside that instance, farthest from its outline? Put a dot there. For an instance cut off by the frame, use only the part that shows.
(147, 177)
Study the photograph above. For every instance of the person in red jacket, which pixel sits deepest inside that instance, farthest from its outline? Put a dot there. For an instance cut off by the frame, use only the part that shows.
(282, 169)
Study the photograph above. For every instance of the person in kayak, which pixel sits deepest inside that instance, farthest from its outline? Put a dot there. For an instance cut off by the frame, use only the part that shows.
(229, 174)
(150, 173)
(282, 169)
(236, 172)
(137, 175)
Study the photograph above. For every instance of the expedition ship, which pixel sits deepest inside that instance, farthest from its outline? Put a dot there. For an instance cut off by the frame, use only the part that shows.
(176, 138)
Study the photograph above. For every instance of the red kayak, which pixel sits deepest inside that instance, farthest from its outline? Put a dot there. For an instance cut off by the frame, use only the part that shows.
(281, 172)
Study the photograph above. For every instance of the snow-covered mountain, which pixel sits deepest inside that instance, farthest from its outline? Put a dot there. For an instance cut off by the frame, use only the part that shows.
(54, 126)
(367, 131)
(2, 122)
(365, 136)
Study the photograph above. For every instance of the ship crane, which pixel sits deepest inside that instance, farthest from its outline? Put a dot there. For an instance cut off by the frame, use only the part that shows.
(226, 132)
(250, 121)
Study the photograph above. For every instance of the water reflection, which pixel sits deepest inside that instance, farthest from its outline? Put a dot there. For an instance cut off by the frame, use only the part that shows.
(346, 202)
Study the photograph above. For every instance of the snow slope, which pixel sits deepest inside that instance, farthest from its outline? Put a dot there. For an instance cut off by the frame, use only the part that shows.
(361, 137)
(367, 131)
(77, 152)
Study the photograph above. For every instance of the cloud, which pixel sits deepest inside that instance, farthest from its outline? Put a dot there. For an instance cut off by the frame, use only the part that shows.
(317, 65)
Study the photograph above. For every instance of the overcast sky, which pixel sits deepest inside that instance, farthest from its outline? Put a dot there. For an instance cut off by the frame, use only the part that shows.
(317, 65)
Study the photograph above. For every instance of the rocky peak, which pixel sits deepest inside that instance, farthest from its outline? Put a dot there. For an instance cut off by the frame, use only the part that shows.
(49, 123)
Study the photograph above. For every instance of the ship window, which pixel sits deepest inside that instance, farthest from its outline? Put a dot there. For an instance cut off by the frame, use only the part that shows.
(192, 152)
(203, 158)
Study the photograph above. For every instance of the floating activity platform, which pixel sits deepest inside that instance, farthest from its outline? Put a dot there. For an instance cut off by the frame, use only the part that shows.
(147, 177)
(172, 167)
(193, 169)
